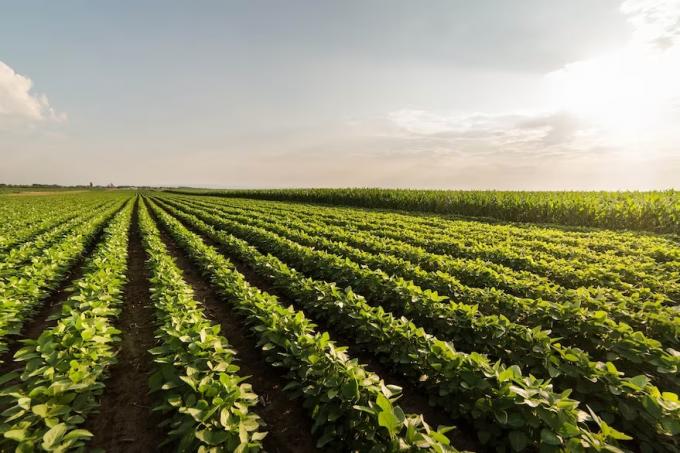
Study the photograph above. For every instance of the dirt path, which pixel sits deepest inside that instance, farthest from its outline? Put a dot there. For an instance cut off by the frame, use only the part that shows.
(125, 421)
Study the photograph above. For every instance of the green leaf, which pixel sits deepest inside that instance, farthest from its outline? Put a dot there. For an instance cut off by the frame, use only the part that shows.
(258, 436)
(518, 440)
(389, 417)
(388, 420)
(350, 389)
(570, 357)
(639, 381)
(548, 437)
(41, 410)
(211, 437)
(16, 434)
(54, 436)
(78, 434)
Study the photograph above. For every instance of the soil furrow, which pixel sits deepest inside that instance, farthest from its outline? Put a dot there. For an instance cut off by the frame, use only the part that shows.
(125, 421)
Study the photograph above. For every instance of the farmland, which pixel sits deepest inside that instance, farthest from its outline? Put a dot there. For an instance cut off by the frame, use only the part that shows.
(342, 320)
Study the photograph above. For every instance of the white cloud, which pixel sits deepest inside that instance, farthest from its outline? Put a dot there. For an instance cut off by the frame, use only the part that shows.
(18, 105)
(517, 134)
(626, 101)
(656, 22)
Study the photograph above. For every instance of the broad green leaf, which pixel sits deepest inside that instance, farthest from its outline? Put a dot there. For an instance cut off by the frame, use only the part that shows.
(53, 437)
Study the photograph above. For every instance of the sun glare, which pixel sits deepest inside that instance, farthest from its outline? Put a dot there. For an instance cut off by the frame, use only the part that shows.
(627, 92)
(621, 93)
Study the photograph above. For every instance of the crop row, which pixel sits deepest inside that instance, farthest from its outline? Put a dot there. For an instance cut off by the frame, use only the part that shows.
(21, 214)
(47, 401)
(506, 407)
(352, 408)
(603, 336)
(573, 267)
(474, 272)
(600, 241)
(631, 404)
(555, 242)
(29, 223)
(613, 272)
(11, 263)
(654, 319)
(21, 295)
(24, 216)
(207, 403)
(651, 211)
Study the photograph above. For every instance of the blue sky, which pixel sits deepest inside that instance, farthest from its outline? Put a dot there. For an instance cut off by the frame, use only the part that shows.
(447, 94)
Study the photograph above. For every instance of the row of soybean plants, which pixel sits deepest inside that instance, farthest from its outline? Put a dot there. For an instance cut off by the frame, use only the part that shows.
(649, 211)
(26, 218)
(208, 405)
(430, 271)
(22, 292)
(625, 274)
(599, 240)
(550, 240)
(634, 273)
(46, 400)
(475, 272)
(477, 238)
(506, 407)
(390, 257)
(352, 408)
(554, 240)
(533, 349)
(605, 338)
(603, 241)
(601, 336)
(10, 263)
(21, 212)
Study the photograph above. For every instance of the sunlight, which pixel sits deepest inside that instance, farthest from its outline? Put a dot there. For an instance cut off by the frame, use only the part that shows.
(629, 93)
(624, 93)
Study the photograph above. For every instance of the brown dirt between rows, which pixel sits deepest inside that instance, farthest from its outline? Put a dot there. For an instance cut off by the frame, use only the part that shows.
(412, 400)
(125, 421)
(288, 426)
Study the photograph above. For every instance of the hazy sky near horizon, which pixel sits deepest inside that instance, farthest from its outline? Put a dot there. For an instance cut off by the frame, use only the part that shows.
(528, 94)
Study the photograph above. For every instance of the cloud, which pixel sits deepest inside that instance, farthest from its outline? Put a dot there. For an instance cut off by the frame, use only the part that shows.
(656, 22)
(627, 100)
(519, 134)
(18, 105)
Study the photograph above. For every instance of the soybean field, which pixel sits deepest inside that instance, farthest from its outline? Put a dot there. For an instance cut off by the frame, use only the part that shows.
(291, 322)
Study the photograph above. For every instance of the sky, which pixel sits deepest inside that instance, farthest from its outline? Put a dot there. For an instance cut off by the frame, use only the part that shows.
(512, 94)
